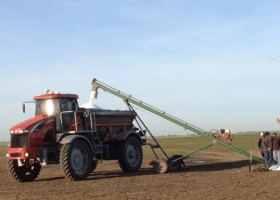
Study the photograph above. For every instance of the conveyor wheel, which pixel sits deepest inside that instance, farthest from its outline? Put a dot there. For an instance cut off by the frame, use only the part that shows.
(176, 165)
(160, 166)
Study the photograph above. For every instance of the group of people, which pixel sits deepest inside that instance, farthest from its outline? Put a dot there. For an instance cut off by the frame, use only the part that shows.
(269, 146)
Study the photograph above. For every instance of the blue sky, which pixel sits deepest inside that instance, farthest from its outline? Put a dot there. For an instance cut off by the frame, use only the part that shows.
(206, 62)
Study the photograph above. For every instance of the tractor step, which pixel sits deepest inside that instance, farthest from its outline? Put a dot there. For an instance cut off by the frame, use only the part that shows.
(154, 146)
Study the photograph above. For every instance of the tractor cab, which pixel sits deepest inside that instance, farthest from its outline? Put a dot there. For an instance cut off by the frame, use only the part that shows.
(61, 106)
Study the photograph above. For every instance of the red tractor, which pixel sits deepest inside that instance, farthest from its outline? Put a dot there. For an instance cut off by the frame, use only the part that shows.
(76, 138)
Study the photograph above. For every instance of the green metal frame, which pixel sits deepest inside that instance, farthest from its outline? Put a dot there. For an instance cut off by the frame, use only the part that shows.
(97, 84)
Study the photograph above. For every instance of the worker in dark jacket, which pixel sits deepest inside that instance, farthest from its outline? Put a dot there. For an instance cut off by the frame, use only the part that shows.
(267, 147)
(275, 148)
(260, 143)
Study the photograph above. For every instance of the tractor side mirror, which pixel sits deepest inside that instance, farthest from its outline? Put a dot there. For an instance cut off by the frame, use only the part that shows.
(23, 108)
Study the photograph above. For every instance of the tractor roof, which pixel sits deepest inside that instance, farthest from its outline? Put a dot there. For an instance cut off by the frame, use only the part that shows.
(56, 96)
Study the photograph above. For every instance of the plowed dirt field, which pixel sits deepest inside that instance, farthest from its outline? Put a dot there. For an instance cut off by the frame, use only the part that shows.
(208, 175)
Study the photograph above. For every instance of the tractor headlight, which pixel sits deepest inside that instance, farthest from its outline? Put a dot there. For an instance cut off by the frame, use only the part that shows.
(26, 154)
(19, 131)
(23, 131)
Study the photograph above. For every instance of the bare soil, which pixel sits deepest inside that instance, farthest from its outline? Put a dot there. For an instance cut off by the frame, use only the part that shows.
(208, 175)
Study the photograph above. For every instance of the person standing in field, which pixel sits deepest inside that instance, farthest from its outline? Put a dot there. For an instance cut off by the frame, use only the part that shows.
(275, 148)
(267, 147)
(260, 143)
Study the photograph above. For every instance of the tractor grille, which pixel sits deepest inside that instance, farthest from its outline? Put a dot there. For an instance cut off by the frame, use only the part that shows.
(19, 140)
(15, 155)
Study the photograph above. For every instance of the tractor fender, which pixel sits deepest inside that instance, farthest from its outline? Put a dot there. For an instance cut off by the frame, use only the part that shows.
(125, 134)
(70, 138)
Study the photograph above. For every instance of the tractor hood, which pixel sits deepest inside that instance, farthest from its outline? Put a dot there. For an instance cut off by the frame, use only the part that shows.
(28, 126)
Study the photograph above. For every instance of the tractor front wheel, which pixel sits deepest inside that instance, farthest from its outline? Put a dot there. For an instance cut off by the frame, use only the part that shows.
(76, 160)
(130, 154)
(29, 170)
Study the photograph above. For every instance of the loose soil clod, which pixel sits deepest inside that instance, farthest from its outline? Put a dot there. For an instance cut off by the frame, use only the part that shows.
(261, 169)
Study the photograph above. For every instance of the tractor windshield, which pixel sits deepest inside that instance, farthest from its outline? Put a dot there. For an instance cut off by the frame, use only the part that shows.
(47, 107)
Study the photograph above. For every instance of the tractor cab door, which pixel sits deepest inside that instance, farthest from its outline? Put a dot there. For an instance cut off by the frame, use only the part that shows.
(68, 107)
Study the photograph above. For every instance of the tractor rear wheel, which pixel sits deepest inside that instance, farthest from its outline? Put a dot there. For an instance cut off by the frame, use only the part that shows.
(25, 172)
(130, 155)
(94, 165)
(76, 160)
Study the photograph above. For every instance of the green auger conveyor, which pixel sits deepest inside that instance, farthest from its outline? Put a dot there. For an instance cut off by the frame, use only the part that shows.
(128, 98)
